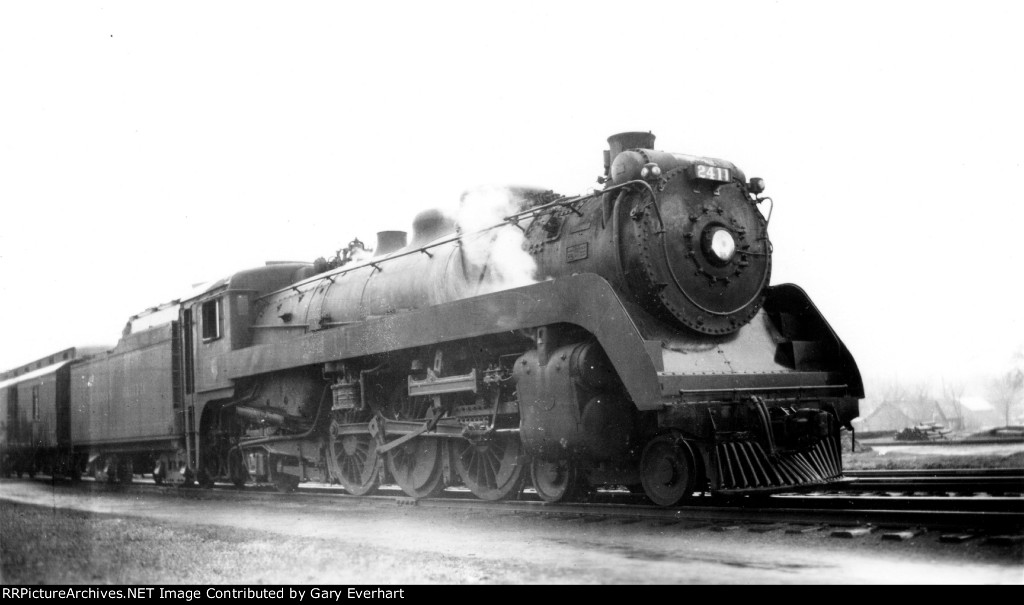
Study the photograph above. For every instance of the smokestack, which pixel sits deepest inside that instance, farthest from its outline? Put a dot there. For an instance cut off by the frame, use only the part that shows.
(629, 140)
(389, 241)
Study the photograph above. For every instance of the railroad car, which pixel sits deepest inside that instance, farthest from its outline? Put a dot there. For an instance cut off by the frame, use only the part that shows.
(642, 346)
(35, 422)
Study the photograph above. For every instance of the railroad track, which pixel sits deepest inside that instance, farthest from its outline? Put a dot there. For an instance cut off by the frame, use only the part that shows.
(958, 517)
(938, 472)
(946, 442)
(964, 481)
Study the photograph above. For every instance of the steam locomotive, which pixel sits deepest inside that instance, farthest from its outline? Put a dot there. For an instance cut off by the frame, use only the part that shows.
(642, 347)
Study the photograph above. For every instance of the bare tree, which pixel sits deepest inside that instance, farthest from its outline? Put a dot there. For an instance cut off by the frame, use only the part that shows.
(953, 393)
(919, 403)
(1006, 390)
(922, 391)
(894, 392)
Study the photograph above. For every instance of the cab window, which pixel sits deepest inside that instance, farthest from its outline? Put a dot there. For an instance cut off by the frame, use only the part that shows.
(211, 320)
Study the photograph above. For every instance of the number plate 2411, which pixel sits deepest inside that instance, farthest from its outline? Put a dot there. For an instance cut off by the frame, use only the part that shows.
(710, 173)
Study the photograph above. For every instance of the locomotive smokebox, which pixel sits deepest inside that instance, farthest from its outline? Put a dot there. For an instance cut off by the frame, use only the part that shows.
(389, 241)
(618, 143)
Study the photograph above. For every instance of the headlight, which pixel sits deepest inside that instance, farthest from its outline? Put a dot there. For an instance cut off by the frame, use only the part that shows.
(722, 245)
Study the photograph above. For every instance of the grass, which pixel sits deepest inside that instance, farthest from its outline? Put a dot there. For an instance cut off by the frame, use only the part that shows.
(58, 546)
(871, 459)
(62, 546)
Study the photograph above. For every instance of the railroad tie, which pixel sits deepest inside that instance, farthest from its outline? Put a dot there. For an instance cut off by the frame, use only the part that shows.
(806, 529)
(905, 534)
(851, 532)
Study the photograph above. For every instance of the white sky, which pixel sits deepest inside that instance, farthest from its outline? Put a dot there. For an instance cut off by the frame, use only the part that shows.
(145, 147)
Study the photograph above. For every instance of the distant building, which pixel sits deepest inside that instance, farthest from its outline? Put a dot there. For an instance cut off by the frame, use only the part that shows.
(892, 416)
(886, 417)
(980, 414)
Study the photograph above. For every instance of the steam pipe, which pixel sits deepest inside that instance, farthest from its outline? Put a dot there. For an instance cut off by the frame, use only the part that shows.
(272, 417)
(309, 432)
(252, 395)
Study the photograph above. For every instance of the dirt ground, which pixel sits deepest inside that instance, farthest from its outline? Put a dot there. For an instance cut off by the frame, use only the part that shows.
(59, 534)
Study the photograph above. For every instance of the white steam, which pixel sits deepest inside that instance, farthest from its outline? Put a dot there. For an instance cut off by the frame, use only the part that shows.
(358, 255)
(495, 258)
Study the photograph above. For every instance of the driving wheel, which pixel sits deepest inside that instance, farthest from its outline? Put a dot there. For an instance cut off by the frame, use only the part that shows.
(354, 460)
(492, 467)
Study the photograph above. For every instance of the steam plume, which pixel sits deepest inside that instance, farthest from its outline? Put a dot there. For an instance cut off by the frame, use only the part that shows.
(495, 259)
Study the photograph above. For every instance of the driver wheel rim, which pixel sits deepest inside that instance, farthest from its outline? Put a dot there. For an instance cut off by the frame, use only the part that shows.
(417, 467)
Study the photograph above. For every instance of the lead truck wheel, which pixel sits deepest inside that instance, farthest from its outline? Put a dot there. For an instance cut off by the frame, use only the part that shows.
(555, 480)
(667, 470)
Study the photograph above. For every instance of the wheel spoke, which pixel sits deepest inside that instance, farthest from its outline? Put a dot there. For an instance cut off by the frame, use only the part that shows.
(357, 471)
(492, 468)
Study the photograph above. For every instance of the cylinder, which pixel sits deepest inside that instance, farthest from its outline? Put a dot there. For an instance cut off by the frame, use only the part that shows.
(607, 427)
(591, 367)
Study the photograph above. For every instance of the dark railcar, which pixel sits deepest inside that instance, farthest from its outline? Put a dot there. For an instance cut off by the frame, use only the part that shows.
(35, 432)
(125, 405)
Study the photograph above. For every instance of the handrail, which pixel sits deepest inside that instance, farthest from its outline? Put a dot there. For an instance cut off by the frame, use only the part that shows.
(508, 220)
